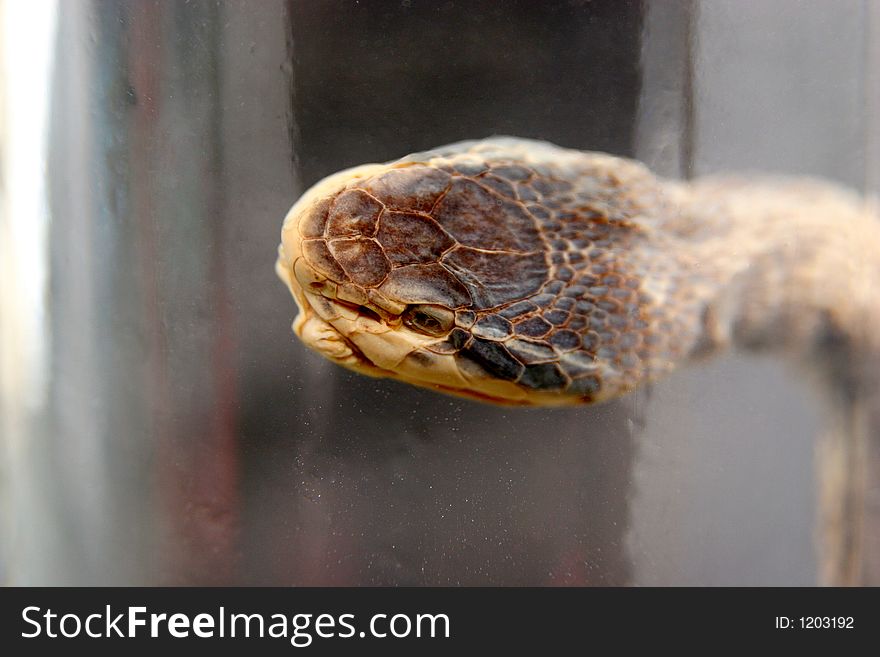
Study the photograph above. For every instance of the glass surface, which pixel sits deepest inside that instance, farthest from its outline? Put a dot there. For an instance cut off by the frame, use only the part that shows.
(163, 425)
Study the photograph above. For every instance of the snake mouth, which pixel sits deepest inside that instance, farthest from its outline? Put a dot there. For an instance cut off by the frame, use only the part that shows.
(359, 339)
(333, 337)
(325, 323)
(366, 337)
(371, 340)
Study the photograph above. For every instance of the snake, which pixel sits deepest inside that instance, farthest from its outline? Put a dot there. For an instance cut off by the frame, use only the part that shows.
(517, 272)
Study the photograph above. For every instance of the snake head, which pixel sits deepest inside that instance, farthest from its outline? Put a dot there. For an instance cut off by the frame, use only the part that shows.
(468, 270)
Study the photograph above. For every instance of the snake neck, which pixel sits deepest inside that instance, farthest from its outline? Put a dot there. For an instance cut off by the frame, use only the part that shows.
(795, 268)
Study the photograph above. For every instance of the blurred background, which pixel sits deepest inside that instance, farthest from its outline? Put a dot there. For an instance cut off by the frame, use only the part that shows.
(162, 425)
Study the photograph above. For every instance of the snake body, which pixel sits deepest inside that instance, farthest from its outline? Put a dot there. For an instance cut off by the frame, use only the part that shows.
(518, 272)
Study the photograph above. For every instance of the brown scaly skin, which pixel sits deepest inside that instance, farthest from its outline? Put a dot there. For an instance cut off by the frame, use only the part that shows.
(506, 270)
(517, 272)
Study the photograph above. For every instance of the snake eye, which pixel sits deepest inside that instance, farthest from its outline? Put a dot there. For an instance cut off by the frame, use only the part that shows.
(433, 320)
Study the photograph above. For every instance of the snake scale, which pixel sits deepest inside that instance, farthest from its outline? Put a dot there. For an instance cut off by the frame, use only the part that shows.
(517, 272)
